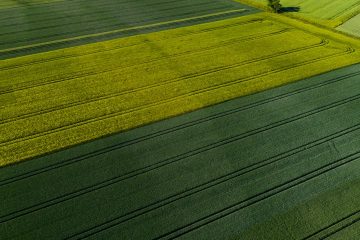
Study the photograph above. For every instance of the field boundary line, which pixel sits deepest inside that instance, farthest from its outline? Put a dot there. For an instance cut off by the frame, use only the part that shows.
(123, 30)
(258, 197)
(154, 85)
(177, 128)
(201, 187)
(164, 101)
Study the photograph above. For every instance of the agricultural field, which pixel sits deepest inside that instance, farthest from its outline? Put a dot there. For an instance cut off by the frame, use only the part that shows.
(352, 26)
(86, 93)
(6, 4)
(298, 144)
(327, 12)
(59, 24)
(186, 119)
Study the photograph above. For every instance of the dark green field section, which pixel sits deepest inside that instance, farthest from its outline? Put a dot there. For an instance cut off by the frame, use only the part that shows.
(281, 164)
(46, 24)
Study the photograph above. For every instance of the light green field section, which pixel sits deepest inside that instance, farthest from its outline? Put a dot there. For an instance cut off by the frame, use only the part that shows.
(328, 12)
(57, 99)
(352, 26)
(23, 3)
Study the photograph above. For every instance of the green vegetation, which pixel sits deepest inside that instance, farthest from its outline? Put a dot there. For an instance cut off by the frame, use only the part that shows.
(274, 5)
(280, 164)
(326, 12)
(4, 4)
(94, 21)
(351, 26)
(179, 119)
(78, 94)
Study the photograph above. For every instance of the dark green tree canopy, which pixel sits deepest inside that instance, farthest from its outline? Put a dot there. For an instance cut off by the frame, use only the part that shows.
(274, 5)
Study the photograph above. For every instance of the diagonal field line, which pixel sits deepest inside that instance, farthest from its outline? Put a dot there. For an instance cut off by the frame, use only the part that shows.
(123, 30)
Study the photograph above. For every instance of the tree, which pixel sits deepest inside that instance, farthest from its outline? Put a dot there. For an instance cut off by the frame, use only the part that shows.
(274, 5)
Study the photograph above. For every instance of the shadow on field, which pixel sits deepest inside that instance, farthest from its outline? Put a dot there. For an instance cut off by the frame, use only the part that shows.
(289, 9)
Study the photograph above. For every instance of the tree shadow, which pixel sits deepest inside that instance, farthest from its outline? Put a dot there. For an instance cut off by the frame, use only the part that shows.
(289, 9)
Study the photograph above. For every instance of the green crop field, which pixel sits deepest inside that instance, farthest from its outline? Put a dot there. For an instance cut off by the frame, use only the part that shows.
(43, 27)
(6, 4)
(281, 164)
(179, 119)
(352, 26)
(86, 92)
(335, 12)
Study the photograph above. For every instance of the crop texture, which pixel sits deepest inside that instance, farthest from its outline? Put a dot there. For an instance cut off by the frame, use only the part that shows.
(57, 99)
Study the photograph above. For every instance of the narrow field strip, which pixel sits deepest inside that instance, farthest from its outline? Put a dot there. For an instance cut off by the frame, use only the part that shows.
(179, 71)
(91, 21)
(306, 151)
